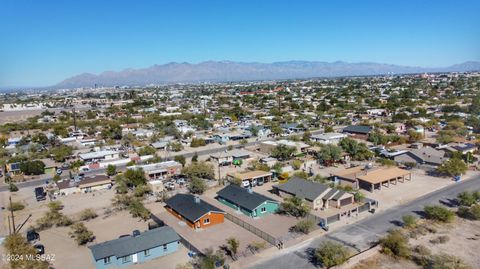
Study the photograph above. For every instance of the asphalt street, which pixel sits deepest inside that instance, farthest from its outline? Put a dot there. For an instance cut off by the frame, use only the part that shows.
(360, 235)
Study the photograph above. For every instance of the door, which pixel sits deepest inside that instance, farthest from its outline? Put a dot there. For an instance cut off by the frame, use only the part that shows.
(134, 258)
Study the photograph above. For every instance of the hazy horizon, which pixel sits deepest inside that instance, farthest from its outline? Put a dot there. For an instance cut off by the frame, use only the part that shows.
(47, 42)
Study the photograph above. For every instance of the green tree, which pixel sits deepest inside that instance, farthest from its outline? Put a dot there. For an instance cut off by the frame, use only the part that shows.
(60, 153)
(147, 150)
(195, 157)
(294, 206)
(180, 159)
(111, 170)
(32, 167)
(17, 246)
(282, 152)
(453, 167)
(199, 169)
(197, 186)
(329, 153)
(135, 177)
(467, 198)
(330, 254)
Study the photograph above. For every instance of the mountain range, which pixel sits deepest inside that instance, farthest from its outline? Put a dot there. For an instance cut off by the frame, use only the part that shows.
(223, 71)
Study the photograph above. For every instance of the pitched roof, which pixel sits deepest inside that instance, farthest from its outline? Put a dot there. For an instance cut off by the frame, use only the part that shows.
(362, 129)
(242, 197)
(129, 245)
(186, 206)
(303, 188)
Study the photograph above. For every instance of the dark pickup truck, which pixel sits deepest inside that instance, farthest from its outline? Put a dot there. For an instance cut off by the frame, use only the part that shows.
(40, 194)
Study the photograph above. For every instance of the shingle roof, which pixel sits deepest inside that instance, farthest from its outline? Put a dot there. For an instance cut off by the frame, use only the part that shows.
(242, 197)
(362, 129)
(186, 206)
(303, 188)
(129, 245)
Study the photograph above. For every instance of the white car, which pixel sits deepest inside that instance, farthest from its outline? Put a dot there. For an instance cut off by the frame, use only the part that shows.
(245, 184)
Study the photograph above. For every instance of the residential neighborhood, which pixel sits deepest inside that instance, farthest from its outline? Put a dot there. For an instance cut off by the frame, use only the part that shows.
(240, 134)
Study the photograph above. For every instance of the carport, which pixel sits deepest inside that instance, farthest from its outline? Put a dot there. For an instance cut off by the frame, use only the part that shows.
(379, 178)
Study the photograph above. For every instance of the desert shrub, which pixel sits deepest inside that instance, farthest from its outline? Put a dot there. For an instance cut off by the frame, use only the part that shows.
(304, 226)
(329, 254)
(87, 214)
(439, 213)
(395, 244)
(53, 217)
(81, 234)
(16, 206)
(409, 221)
(141, 190)
(421, 255)
(12, 187)
(294, 206)
(256, 246)
(471, 213)
(440, 240)
(445, 261)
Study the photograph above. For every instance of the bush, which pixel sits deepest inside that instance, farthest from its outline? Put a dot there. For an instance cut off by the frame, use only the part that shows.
(141, 190)
(12, 187)
(294, 206)
(445, 261)
(439, 213)
(16, 206)
(466, 198)
(409, 221)
(304, 226)
(180, 159)
(32, 167)
(440, 240)
(81, 234)
(197, 186)
(395, 244)
(330, 254)
(111, 170)
(472, 213)
(87, 214)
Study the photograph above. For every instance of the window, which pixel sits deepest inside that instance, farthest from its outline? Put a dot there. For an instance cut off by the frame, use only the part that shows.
(165, 247)
(126, 259)
(263, 210)
(206, 221)
(106, 260)
(146, 252)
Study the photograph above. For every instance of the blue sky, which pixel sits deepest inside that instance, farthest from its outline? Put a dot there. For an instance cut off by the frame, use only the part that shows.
(44, 42)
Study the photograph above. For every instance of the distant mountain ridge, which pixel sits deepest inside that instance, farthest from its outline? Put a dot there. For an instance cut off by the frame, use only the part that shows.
(223, 71)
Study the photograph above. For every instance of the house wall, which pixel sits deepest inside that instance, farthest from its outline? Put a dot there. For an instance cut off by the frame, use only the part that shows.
(215, 218)
(271, 207)
(96, 188)
(154, 253)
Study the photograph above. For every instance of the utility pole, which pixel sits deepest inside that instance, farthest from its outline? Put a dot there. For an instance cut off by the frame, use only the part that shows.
(74, 120)
(12, 216)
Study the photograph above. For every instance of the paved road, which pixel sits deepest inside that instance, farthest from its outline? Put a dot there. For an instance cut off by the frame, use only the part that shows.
(361, 234)
(38, 182)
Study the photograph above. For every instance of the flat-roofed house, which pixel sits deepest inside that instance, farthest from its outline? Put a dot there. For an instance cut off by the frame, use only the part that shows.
(250, 176)
(371, 178)
(328, 138)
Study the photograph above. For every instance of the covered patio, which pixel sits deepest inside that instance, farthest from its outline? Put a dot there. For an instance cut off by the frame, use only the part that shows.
(379, 178)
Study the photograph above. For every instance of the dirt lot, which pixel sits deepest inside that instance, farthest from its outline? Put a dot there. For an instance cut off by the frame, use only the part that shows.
(212, 237)
(463, 242)
(57, 241)
(380, 261)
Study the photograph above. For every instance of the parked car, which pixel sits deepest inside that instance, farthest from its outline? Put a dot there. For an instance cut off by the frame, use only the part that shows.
(245, 184)
(40, 249)
(40, 194)
(32, 235)
(65, 165)
(254, 183)
(136, 233)
(170, 186)
(59, 171)
(180, 181)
